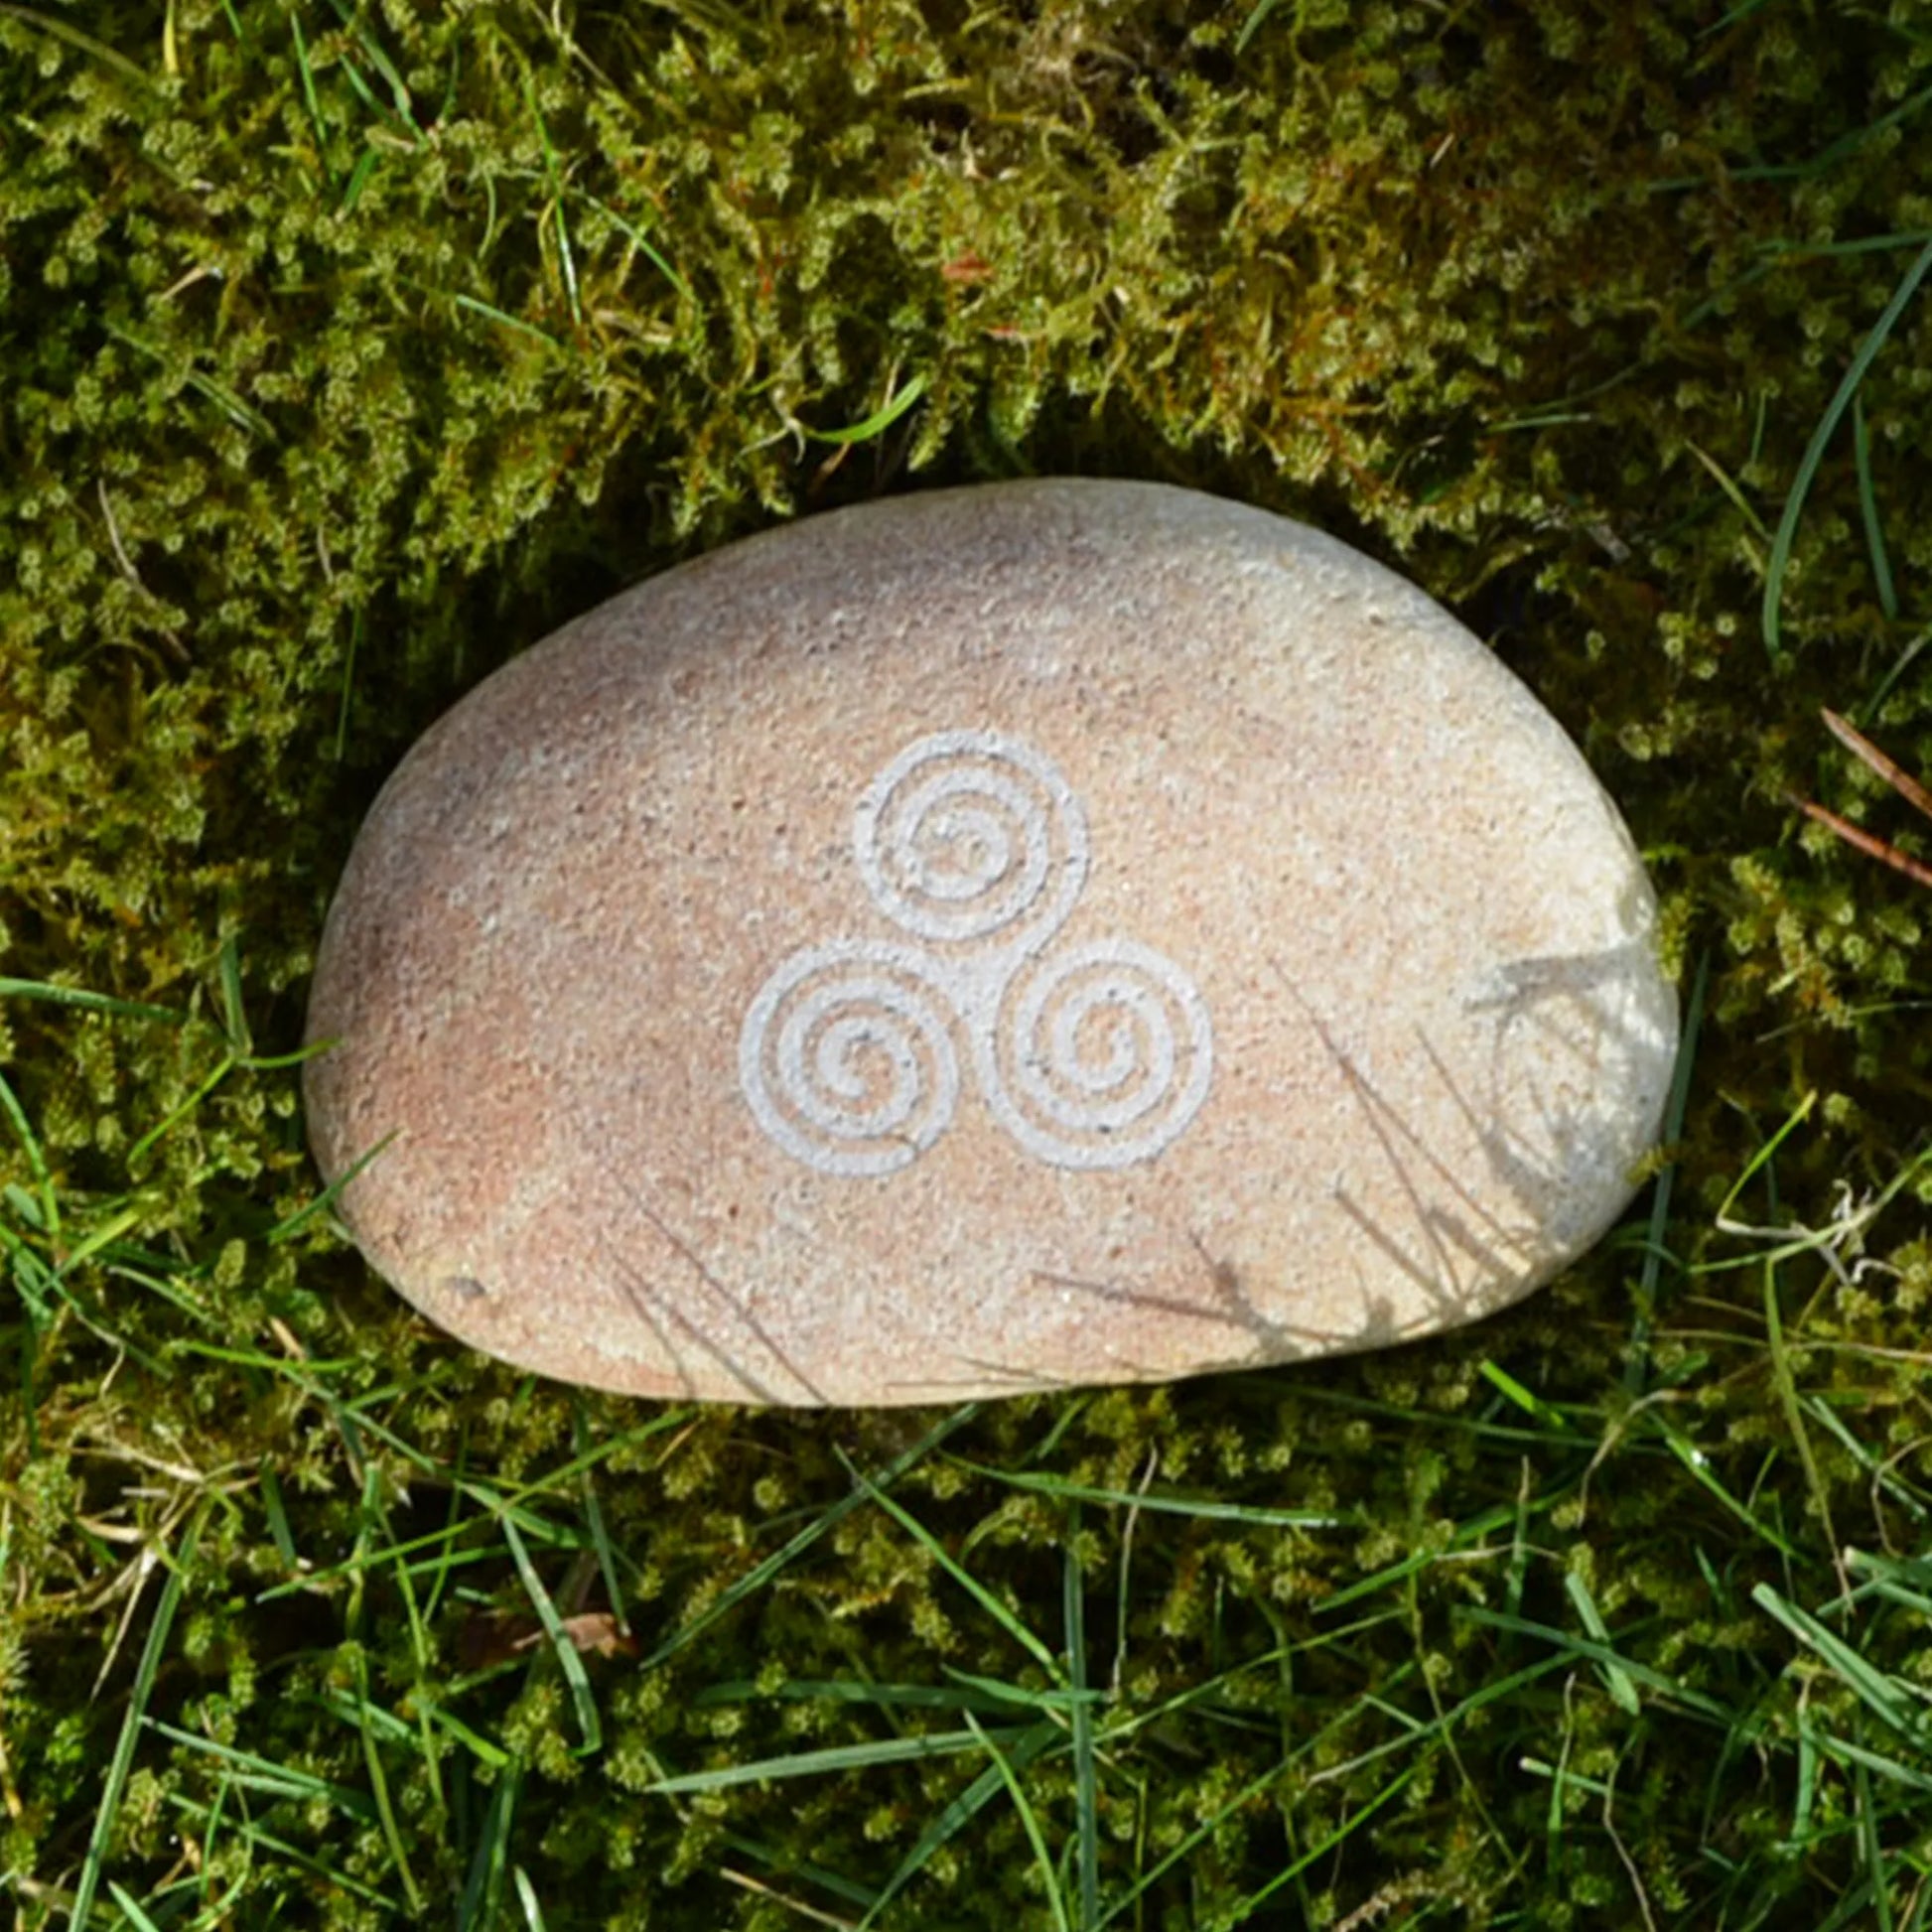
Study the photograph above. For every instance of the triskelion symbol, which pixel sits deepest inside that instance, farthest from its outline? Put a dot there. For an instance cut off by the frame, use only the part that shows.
(1095, 1055)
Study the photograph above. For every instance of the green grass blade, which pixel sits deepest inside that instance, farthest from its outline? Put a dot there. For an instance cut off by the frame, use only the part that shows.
(204, 1815)
(560, 221)
(1204, 1508)
(1002, 1696)
(1868, 708)
(1814, 455)
(77, 996)
(97, 1240)
(45, 1199)
(1730, 485)
(1889, 1768)
(1322, 1847)
(1901, 1579)
(324, 1201)
(1879, 1694)
(403, 110)
(1875, 531)
(83, 43)
(1527, 1400)
(568, 1655)
(1476, 1530)
(497, 314)
(983, 1695)
(882, 419)
(278, 1518)
(1086, 1783)
(379, 1784)
(310, 100)
(484, 1885)
(1030, 1823)
(762, 1572)
(256, 1773)
(526, 1896)
(1762, 1156)
(1623, 1694)
(964, 1577)
(474, 1743)
(130, 1909)
(1871, 1850)
(1637, 1368)
(234, 1012)
(172, 1120)
(643, 243)
(1253, 24)
(607, 1557)
(1603, 1656)
(366, 164)
(1785, 1382)
(122, 1761)
(1698, 1464)
(832, 1757)
(959, 1812)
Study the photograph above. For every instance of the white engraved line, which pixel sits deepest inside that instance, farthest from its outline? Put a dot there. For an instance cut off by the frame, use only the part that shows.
(810, 1102)
(1135, 983)
(862, 1074)
(892, 824)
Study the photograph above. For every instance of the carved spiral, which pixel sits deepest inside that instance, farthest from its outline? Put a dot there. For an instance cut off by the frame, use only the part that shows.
(847, 1059)
(968, 833)
(1103, 1053)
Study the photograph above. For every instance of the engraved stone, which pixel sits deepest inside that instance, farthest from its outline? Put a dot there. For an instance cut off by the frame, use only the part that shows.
(1055, 932)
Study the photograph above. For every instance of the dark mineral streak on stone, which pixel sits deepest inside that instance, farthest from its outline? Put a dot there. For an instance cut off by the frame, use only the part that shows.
(1049, 933)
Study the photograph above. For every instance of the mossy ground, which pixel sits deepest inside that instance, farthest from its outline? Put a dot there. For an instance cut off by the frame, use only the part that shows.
(345, 352)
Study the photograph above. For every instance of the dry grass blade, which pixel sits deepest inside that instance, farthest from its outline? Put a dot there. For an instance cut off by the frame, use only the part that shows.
(1900, 780)
(1874, 847)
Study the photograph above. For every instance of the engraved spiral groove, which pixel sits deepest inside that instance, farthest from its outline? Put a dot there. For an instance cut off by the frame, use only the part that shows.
(847, 1060)
(969, 833)
(1103, 1053)
(1091, 1055)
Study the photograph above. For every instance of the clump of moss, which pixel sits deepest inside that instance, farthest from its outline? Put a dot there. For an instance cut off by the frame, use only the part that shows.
(351, 350)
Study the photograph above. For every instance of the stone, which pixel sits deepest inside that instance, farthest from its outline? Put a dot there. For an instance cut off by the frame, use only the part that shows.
(1046, 933)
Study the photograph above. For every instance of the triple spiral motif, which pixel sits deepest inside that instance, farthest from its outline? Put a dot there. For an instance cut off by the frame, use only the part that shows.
(1090, 1056)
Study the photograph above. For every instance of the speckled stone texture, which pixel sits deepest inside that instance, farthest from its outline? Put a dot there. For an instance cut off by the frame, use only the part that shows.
(1048, 933)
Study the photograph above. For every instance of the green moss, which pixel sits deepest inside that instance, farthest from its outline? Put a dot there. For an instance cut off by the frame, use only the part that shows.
(347, 353)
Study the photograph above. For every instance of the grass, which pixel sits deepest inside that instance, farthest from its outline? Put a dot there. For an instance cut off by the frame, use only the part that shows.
(349, 349)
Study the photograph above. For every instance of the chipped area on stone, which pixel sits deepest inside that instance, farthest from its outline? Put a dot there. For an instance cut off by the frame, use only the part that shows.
(1048, 933)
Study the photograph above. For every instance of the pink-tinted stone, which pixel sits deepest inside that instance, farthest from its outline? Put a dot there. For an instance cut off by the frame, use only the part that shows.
(1048, 933)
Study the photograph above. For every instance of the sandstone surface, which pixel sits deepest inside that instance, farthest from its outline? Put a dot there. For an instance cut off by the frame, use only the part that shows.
(1046, 934)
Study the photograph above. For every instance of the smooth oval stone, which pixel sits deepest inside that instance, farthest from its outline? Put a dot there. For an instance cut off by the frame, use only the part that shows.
(1054, 932)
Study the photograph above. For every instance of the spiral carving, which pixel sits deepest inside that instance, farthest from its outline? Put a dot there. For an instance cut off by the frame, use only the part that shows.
(1104, 1055)
(847, 1060)
(1090, 1056)
(966, 834)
